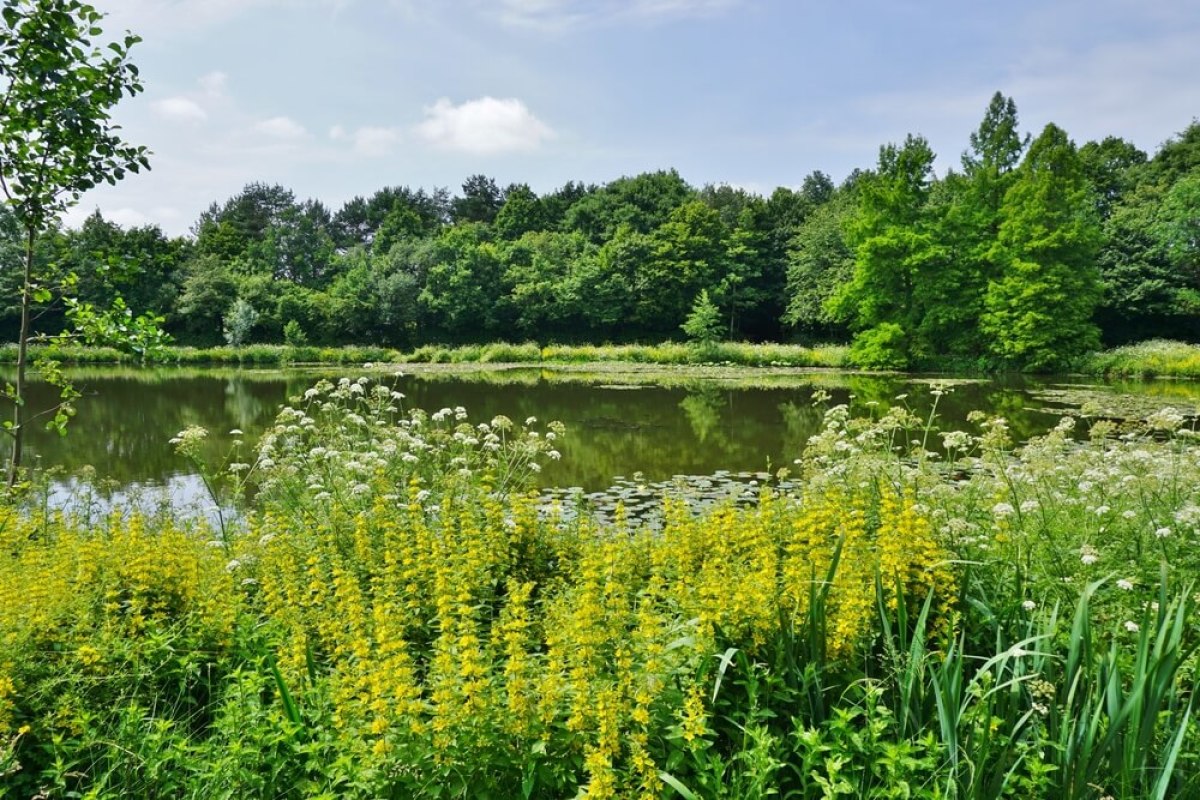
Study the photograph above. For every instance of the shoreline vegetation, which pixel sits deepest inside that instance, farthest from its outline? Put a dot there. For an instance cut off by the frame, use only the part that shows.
(1156, 358)
(398, 617)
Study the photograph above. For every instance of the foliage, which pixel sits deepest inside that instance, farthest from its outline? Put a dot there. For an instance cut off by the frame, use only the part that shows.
(294, 335)
(240, 319)
(620, 262)
(1039, 308)
(399, 617)
(820, 261)
(1156, 358)
(57, 140)
(894, 248)
(118, 328)
(704, 325)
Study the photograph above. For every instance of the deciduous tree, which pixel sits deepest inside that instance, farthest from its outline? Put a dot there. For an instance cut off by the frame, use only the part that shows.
(1038, 311)
(57, 138)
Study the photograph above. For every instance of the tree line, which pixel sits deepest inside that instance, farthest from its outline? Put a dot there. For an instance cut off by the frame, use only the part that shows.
(1029, 253)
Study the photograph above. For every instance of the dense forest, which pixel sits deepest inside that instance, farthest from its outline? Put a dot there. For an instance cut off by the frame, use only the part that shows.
(1028, 254)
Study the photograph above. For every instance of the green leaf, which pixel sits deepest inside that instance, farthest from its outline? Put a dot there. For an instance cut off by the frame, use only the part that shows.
(677, 785)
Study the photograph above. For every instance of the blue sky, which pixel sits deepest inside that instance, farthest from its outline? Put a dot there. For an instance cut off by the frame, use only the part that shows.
(337, 98)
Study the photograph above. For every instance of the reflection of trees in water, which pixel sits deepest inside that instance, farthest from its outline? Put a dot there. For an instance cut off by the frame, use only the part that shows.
(246, 408)
(125, 426)
(127, 418)
(800, 421)
(703, 411)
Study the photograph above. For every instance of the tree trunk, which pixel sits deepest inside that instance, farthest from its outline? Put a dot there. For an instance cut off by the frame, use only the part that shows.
(19, 416)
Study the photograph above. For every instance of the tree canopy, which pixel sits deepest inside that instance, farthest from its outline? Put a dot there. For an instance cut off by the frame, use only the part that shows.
(1019, 254)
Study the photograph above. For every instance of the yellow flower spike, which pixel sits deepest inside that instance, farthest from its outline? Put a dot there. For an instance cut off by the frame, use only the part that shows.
(694, 719)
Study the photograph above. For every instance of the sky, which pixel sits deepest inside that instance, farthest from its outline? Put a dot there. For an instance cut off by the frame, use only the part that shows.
(339, 98)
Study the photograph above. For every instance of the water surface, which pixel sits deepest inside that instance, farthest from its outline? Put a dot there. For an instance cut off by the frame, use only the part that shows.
(656, 422)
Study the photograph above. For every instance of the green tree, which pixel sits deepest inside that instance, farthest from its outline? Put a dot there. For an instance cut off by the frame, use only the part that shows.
(1038, 312)
(688, 252)
(359, 221)
(294, 334)
(606, 282)
(751, 278)
(542, 269)
(461, 297)
(140, 264)
(966, 209)
(1179, 230)
(1112, 166)
(401, 223)
(728, 201)
(641, 203)
(521, 213)
(57, 139)
(1179, 224)
(556, 204)
(1148, 289)
(1178, 156)
(298, 245)
(1150, 260)
(231, 230)
(704, 324)
(207, 289)
(480, 202)
(240, 320)
(817, 188)
(820, 261)
(895, 247)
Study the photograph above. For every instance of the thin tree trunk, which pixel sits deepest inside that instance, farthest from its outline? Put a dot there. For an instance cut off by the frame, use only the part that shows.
(18, 431)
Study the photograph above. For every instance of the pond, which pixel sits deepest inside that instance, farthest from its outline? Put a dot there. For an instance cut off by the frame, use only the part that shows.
(621, 419)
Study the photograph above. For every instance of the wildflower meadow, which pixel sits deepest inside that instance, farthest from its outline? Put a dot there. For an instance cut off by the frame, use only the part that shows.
(395, 612)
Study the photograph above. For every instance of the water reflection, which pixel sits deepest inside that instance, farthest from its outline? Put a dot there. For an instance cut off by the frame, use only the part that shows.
(660, 424)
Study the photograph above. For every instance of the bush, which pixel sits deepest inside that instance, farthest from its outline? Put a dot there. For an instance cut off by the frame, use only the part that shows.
(1150, 359)
(294, 335)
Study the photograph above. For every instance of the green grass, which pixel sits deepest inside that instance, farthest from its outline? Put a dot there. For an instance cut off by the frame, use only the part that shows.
(1150, 359)
(668, 353)
(730, 353)
(250, 355)
(1156, 358)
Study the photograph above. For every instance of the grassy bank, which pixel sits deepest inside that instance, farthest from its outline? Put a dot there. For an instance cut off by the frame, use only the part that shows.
(734, 353)
(399, 618)
(251, 355)
(1157, 358)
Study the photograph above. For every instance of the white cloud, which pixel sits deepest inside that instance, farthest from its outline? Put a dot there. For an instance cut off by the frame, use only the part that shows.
(214, 83)
(368, 140)
(127, 217)
(560, 15)
(483, 127)
(156, 19)
(180, 109)
(123, 215)
(281, 128)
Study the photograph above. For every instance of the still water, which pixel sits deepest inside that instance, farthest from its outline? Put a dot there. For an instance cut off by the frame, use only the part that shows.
(658, 422)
